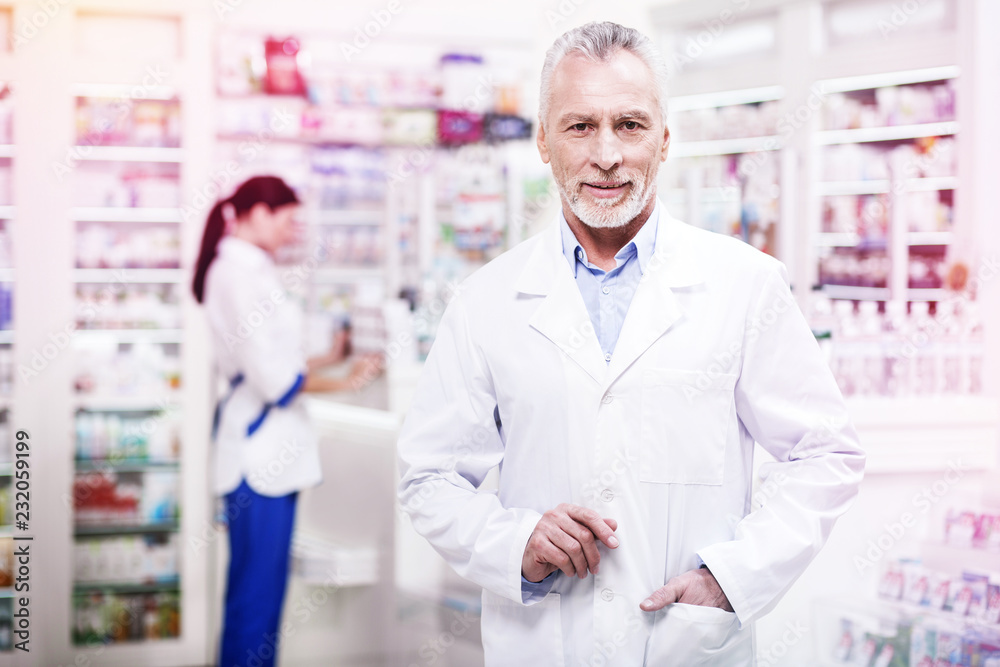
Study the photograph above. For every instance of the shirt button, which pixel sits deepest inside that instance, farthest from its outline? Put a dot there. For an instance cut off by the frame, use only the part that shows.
(607, 595)
(606, 289)
(607, 495)
(607, 356)
(607, 399)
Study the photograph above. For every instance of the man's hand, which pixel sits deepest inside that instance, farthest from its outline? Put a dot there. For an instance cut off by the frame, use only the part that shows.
(566, 539)
(697, 587)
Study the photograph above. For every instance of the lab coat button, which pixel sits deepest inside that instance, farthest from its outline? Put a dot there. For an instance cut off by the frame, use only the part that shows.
(607, 495)
(607, 595)
(606, 289)
(607, 356)
(607, 399)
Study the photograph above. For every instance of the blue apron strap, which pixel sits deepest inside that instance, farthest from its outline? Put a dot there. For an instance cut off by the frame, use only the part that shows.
(234, 382)
(282, 402)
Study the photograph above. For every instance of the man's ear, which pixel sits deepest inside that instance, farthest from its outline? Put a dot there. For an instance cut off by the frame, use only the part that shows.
(666, 144)
(543, 147)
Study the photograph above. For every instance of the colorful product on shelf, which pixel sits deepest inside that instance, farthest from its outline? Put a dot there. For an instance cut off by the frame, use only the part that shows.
(108, 436)
(888, 106)
(105, 246)
(127, 122)
(127, 305)
(736, 121)
(968, 529)
(127, 559)
(127, 185)
(895, 353)
(100, 618)
(107, 368)
(125, 499)
(456, 128)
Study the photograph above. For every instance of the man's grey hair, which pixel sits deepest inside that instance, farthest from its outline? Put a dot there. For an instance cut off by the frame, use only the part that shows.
(599, 41)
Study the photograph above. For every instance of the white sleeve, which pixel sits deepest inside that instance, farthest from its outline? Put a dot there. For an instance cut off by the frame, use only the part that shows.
(448, 444)
(787, 399)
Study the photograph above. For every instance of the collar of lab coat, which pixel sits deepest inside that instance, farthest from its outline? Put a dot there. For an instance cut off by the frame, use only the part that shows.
(563, 318)
(243, 252)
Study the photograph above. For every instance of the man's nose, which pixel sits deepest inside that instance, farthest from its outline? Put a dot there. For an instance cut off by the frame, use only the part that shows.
(606, 150)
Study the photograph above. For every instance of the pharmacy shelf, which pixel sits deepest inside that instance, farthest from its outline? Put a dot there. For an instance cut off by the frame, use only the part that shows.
(128, 403)
(882, 80)
(129, 276)
(6, 469)
(124, 214)
(6, 275)
(847, 240)
(952, 559)
(7, 592)
(882, 186)
(130, 154)
(6, 150)
(930, 238)
(726, 98)
(312, 141)
(116, 91)
(6, 212)
(847, 188)
(133, 335)
(905, 434)
(124, 465)
(81, 588)
(856, 293)
(6, 336)
(348, 217)
(85, 530)
(725, 146)
(720, 193)
(890, 133)
(931, 183)
(346, 274)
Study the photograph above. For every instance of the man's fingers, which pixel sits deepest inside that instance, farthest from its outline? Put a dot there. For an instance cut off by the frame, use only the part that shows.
(597, 525)
(662, 596)
(611, 523)
(553, 554)
(569, 544)
(585, 538)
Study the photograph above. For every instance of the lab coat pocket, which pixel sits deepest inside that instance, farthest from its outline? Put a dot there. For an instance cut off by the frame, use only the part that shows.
(685, 417)
(691, 635)
(516, 635)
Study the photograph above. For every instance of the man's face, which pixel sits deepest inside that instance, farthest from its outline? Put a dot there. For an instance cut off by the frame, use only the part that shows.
(604, 137)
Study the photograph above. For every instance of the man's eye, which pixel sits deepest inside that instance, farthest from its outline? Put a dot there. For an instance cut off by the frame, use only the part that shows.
(630, 125)
(580, 127)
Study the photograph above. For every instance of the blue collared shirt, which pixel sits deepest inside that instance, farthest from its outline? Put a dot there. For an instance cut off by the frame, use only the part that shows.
(607, 294)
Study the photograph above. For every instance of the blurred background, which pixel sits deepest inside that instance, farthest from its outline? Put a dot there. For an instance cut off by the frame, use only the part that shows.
(855, 140)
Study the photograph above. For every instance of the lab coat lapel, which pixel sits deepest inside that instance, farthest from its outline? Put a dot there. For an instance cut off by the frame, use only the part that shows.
(562, 316)
(655, 308)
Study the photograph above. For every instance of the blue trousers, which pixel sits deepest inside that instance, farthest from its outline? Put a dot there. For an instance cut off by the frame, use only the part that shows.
(260, 538)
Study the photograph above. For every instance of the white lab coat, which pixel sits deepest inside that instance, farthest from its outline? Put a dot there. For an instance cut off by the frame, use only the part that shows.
(713, 355)
(257, 333)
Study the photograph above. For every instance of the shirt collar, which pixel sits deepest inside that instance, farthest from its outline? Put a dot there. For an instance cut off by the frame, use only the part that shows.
(243, 252)
(642, 244)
